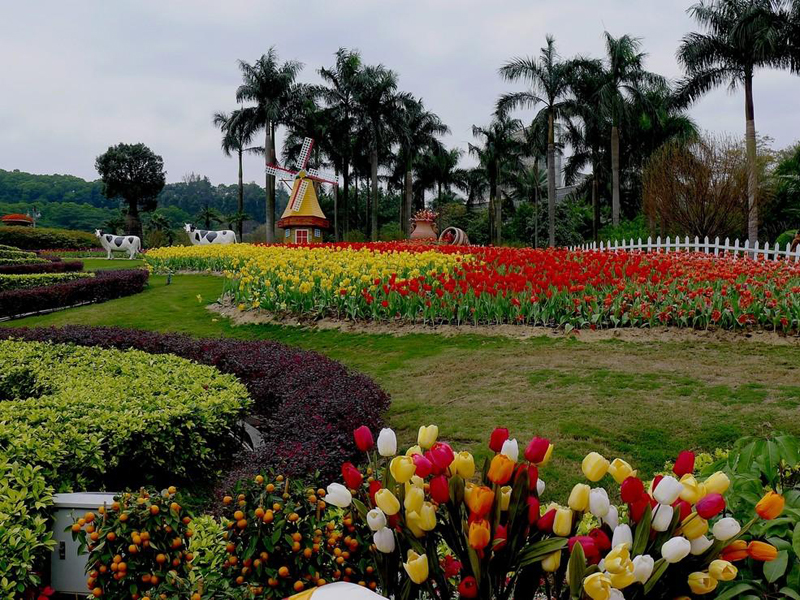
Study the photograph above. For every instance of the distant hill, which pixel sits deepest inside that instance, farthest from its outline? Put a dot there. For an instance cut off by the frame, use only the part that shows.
(74, 203)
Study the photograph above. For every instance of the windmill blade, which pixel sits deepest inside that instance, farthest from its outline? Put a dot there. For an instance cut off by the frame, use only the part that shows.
(305, 153)
(323, 177)
(277, 171)
(297, 197)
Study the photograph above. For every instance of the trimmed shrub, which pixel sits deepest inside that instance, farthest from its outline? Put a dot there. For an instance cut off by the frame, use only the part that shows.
(34, 238)
(105, 285)
(110, 418)
(47, 266)
(305, 404)
(13, 261)
(32, 280)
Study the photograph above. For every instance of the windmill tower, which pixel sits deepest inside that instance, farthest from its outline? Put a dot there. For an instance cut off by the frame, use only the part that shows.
(303, 219)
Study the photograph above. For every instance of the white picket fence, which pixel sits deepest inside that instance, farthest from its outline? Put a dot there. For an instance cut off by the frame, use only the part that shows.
(706, 246)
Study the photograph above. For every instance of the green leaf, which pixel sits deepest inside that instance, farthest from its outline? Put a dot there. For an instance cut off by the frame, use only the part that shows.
(774, 569)
(575, 570)
(796, 540)
(790, 593)
(540, 550)
(734, 591)
(658, 570)
(642, 534)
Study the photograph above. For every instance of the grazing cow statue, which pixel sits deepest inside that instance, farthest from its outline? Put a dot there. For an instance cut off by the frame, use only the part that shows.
(110, 242)
(200, 237)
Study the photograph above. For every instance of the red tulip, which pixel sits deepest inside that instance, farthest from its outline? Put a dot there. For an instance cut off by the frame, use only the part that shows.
(352, 476)
(450, 566)
(684, 464)
(683, 507)
(533, 474)
(590, 549)
(363, 437)
(441, 454)
(374, 486)
(468, 588)
(710, 506)
(656, 480)
(500, 537)
(545, 522)
(631, 490)
(440, 489)
(537, 449)
(533, 509)
(499, 435)
(637, 508)
(424, 466)
(601, 539)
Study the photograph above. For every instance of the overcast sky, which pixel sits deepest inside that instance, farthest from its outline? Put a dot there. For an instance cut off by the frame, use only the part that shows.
(79, 76)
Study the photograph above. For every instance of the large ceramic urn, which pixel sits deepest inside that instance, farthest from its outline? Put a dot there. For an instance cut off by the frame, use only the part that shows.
(424, 229)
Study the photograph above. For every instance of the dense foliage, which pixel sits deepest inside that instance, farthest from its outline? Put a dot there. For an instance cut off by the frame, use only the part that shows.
(293, 390)
(32, 280)
(105, 285)
(44, 266)
(38, 238)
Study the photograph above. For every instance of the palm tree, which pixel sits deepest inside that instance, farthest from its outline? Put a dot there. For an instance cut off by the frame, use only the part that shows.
(418, 133)
(339, 97)
(623, 79)
(742, 35)
(474, 183)
(499, 148)
(548, 78)
(271, 86)
(237, 134)
(378, 105)
(527, 182)
(208, 215)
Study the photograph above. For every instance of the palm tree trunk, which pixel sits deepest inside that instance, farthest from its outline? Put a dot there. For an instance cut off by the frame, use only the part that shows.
(374, 174)
(536, 203)
(346, 192)
(615, 175)
(407, 201)
(551, 179)
(269, 155)
(493, 211)
(595, 209)
(336, 235)
(752, 167)
(240, 203)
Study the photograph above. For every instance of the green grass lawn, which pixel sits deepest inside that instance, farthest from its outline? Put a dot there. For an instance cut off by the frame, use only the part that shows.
(97, 264)
(643, 401)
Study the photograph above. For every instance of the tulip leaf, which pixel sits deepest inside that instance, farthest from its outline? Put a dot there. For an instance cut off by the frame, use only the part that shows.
(541, 550)
(575, 570)
(642, 534)
(658, 570)
(796, 540)
(734, 591)
(362, 510)
(774, 569)
(790, 593)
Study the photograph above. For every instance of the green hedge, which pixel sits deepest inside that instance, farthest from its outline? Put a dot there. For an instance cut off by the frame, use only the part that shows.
(101, 418)
(41, 238)
(22, 261)
(32, 280)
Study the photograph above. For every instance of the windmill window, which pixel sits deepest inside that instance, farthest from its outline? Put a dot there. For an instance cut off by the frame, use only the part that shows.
(301, 236)
(287, 233)
(317, 233)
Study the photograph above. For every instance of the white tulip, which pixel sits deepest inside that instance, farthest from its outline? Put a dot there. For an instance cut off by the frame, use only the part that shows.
(700, 545)
(598, 502)
(612, 517)
(643, 567)
(540, 487)
(384, 540)
(662, 517)
(338, 495)
(726, 528)
(668, 490)
(376, 519)
(676, 549)
(510, 449)
(615, 594)
(387, 442)
(622, 535)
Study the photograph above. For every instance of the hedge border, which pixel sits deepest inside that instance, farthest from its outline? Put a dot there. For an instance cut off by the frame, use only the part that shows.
(54, 266)
(106, 285)
(305, 405)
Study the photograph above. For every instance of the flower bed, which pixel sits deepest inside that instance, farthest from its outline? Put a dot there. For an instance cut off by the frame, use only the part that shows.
(94, 417)
(52, 265)
(33, 280)
(105, 285)
(304, 401)
(450, 284)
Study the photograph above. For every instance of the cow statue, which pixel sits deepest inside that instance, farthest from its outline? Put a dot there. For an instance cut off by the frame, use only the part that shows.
(200, 237)
(129, 243)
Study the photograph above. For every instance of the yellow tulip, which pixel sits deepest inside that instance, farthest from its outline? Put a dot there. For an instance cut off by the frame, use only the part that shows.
(617, 560)
(597, 586)
(547, 455)
(693, 526)
(691, 491)
(579, 497)
(413, 450)
(505, 497)
(594, 466)
(722, 570)
(415, 482)
(427, 517)
(620, 470)
(427, 435)
(417, 567)
(414, 499)
(562, 526)
(551, 562)
(718, 483)
(413, 524)
(387, 502)
(402, 468)
(622, 580)
(702, 583)
(463, 465)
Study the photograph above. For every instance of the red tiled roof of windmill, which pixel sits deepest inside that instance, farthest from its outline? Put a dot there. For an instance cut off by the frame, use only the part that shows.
(17, 217)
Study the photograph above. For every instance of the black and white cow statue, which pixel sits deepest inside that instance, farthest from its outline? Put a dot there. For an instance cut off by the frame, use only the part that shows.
(201, 237)
(129, 243)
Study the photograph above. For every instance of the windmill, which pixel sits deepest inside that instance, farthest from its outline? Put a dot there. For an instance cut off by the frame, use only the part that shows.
(303, 219)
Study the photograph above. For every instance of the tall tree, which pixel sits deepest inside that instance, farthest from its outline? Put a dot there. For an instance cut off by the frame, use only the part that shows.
(237, 135)
(548, 78)
(271, 86)
(623, 79)
(135, 174)
(419, 129)
(499, 148)
(741, 36)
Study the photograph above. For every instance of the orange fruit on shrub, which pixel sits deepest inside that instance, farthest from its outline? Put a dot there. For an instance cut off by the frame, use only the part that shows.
(97, 592)
(76, 527)
(89, 517)
(298, 586)
(172, 489)
(259, 479)
(283, 571)
(111, 536)
(227, 500)
(154, 510)
(161, 559)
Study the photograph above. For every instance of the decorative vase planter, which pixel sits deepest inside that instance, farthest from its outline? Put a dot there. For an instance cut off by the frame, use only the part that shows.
(423, 230)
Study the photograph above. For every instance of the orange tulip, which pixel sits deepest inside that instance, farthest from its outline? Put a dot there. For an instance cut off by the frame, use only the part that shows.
(501, 469)
(480, 500)
(770, 506)
(479, 534)
(735, 551)
(762, 551)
